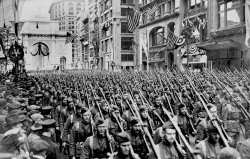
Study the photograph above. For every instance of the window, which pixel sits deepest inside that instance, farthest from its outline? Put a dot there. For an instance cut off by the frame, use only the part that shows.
(161, 9)
(70, 4)
(144, 17)
(78, 4)
(127, 1)
(197, 4)
(71, 13)
(127, 57)
(106, 45)
(124, 27)
(126, 43)
(157, 37)
(111, 14)
(124, 11)
(229, 13)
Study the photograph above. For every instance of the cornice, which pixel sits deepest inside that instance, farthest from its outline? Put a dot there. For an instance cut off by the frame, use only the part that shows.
(43, 35)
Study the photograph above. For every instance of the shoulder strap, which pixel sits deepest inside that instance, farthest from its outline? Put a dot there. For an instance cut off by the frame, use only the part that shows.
(91, 144)
(71, 118)
(204, 149)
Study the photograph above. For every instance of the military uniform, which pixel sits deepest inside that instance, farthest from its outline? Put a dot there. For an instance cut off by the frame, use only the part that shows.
(95, 147)
(231, 118)
(79, 132)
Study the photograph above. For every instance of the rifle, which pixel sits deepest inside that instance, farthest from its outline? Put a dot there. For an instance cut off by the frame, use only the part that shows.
(215, 122)
(107, 132)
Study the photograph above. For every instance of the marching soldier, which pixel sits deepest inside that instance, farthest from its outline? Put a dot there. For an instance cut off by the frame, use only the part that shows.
(137, 141)
(231, 116)
(211, 146)
(79, 132)
(124, 147)
(168, 148)
(112, 124)
(99, 145)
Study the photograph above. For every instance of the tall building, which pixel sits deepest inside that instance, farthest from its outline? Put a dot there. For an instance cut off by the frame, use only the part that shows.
(154, 30)
(116, 51)
(65, 11)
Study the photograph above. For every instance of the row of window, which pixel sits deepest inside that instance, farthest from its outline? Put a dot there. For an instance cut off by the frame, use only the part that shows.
(163, 9)
(106, 16)
(104, 6)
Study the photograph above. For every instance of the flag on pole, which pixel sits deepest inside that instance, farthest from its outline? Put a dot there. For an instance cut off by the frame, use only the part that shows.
(152, 11)
(133, 19)
(135, 45)
(143, 40)
(172, 39)
(69, 38)
(247, 15)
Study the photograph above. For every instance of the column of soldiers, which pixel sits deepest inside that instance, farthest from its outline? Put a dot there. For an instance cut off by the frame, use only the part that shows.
(97, 115)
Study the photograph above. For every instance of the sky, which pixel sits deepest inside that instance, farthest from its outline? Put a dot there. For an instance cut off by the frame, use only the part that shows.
(32, 8)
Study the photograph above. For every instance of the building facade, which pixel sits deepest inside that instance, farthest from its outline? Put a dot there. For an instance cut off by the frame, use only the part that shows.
(46, 49)
(225, 42)
(154, 30)
(65, 11)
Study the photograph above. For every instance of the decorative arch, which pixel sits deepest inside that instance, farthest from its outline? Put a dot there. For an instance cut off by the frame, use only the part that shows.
(63, 63)
(156, 36)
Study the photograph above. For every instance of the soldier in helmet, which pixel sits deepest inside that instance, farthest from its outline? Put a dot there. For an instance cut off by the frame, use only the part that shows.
(99, 145)
(124, 147)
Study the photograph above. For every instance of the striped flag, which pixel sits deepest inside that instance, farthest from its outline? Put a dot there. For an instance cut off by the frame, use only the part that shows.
(69, 38)
(152, 11)
(172, 39)
(135, 45)
(133, 20)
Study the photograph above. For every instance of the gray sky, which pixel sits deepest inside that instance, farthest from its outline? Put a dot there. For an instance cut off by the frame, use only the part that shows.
(32, 8)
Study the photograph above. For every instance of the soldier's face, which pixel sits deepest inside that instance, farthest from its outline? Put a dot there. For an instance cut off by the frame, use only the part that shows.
(213, 112)
(169, 135)
(86, 116)
(136, 128)
(125, 148)
(101, 129)
(183, 110)
(118, 101)
(158, 101)
(144, 114)
(214, 136)
(105, 107)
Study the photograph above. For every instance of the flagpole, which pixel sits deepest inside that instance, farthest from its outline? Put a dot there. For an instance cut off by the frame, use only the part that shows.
(147, 50)
(187, 40)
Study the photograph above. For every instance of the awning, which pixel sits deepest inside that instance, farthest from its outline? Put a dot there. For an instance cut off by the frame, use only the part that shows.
(219, 45)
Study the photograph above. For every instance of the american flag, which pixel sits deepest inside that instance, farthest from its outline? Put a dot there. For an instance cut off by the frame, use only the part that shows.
(133, 20)
(69, 38)
(172, 39)
(135, 45)
(152, 11)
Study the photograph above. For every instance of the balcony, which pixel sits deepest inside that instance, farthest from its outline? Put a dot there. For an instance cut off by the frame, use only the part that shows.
(195, 11)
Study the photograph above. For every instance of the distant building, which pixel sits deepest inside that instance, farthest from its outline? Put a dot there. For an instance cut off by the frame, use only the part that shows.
(45, 34)
(65, 11)
(154, 31)
(116, 51)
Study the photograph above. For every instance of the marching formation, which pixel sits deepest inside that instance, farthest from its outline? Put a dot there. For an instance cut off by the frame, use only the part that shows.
(162, 114)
